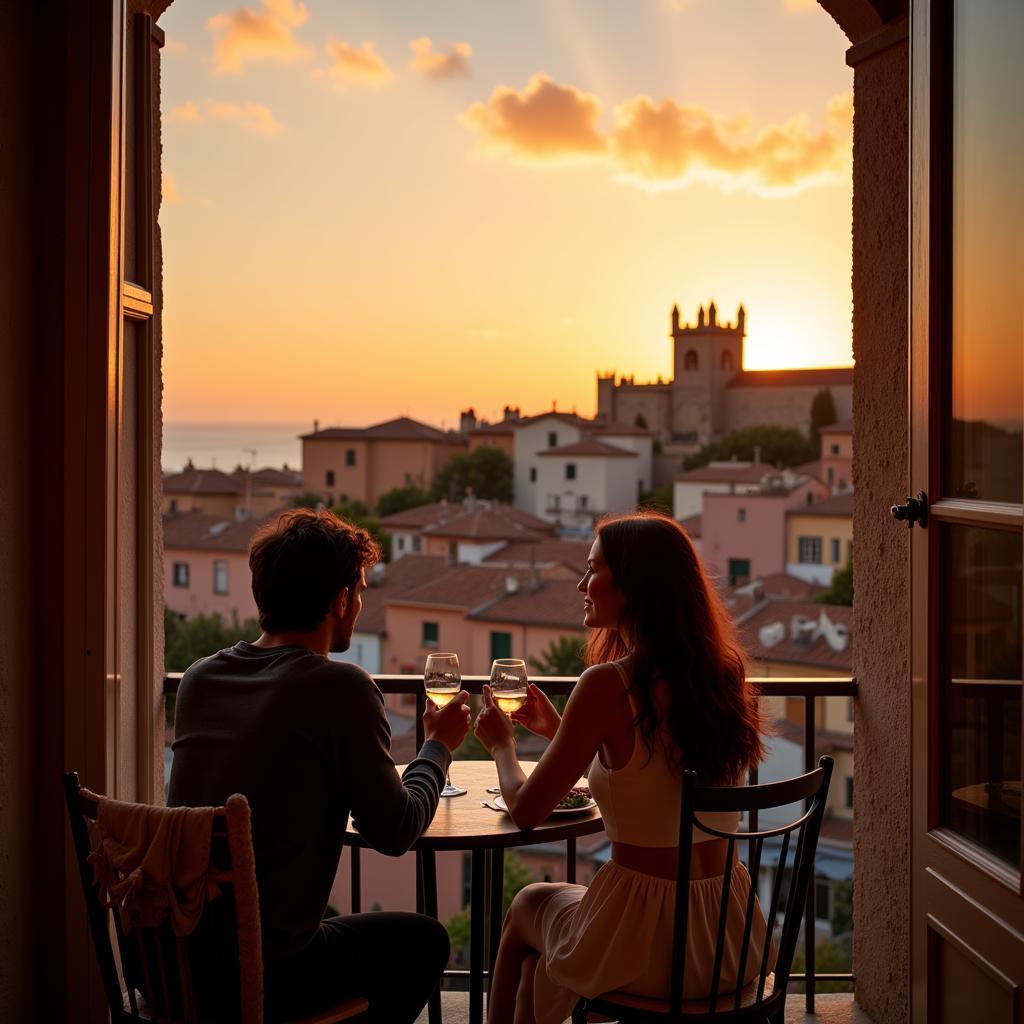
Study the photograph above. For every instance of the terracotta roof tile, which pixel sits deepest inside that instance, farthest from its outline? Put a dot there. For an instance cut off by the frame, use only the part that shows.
(492, 520)
(565, 417)
(815, 376)
(588, 448)
(202, 481)
(401, 429)
(842, 427)
(816, 653)
(621, 430)
(837, 505)
(738, 472)
(553, 603)
(463, 586)
(543, 553)
(196, 530)
(392, 581)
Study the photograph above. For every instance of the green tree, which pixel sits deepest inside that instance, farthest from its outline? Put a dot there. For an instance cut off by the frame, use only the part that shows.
(779, 446)
(823, 414)
(487, 472)
(187, 640)
(829, 958)
(842, 907)
(657, 498)
(357, 513)
(398, 499)
(516, 877)
(841, 589)
(562, 657)
(308, 499)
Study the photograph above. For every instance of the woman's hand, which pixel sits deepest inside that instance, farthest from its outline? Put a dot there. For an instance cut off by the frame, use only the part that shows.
(492, 728)
(538, 714)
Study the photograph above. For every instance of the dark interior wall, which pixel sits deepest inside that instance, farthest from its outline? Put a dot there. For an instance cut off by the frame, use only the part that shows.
(16, 705)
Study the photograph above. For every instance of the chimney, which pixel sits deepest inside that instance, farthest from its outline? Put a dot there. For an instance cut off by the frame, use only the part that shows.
(757, 454)
(316, 426)
(511, 585)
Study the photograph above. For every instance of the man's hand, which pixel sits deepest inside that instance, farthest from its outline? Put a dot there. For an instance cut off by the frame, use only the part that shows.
(447, 725)
(493, 729)
(538, 714)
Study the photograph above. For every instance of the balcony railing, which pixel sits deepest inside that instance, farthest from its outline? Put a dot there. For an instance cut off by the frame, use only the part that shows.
(809, 690)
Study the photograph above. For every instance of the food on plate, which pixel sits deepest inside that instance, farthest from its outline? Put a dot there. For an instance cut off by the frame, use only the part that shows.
(578, 796)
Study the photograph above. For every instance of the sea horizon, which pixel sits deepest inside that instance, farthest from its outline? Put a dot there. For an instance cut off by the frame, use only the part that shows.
(226, 444)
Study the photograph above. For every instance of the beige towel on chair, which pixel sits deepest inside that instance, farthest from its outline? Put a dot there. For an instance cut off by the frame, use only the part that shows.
(154, 862)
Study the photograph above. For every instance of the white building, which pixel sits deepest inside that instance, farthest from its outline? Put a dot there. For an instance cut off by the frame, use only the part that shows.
(568, 470)
(578, 482)
(727, 477)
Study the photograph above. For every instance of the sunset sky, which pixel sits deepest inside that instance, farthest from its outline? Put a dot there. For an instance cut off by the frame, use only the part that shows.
(393, 207)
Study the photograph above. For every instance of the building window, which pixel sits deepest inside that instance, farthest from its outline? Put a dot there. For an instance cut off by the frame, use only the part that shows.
(831, 475)
(690, 361)
(727, 363)
(835, 550)
(809, 550)
(552, 439)
(400, 543)
(741, 515)
(501, 645)
(570, 471)
(181, 574)
(739, 571)
(174, 505)
(584, 501)
(849, 791)
(554, 502)
(533, 474)
(822, 901)
(834, 449)
(431, 634)
(350, 456)
(220, 577)
(417, 544)
(329, 478)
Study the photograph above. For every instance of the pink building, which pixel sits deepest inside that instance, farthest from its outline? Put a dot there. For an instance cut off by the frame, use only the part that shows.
(837, 455)
(206, 565)
(349, 463)
(744, 535)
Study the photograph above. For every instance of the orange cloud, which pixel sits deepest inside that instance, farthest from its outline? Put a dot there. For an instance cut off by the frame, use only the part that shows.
(362, 66)
(253, 117)
(169, 194)
(672, 145)
(433, 64)
(543, 121)
(244, 35)
(188, 113)
(173, 47)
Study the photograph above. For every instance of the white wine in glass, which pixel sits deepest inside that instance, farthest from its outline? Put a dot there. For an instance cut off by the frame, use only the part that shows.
(442, 681)
(508, 684)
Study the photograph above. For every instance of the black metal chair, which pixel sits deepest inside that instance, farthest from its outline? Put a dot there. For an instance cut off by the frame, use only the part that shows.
(763, 998)
(157, 968)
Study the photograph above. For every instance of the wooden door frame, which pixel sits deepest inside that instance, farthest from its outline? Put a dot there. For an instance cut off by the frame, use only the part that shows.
(952, 880)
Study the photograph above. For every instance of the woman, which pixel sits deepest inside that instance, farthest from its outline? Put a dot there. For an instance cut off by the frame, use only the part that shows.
(665, 690)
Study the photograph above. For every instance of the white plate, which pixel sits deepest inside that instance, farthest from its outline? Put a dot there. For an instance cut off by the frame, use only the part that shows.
(558, 812)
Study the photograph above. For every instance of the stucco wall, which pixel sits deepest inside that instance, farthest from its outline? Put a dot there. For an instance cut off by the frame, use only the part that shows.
(790, 407)
(880, 464)
(198, 598)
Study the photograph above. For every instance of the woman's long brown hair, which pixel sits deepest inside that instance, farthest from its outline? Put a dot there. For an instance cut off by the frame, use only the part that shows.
(679, 633)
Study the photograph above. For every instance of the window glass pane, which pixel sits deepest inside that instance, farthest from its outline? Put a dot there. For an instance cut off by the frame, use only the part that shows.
(980, 753)
(984, 453)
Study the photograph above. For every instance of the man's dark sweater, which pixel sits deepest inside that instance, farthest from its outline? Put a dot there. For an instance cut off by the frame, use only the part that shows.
(307, 741)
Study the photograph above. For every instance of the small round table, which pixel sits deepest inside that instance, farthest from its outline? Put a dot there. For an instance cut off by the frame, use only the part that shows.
(461, 823)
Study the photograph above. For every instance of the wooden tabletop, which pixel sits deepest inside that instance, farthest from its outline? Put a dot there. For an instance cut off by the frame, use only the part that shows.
(462, 824)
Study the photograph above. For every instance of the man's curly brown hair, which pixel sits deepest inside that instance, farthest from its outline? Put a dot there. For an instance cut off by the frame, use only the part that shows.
(300, 562)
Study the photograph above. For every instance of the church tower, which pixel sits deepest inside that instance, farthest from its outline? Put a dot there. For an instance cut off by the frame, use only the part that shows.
(706, 357)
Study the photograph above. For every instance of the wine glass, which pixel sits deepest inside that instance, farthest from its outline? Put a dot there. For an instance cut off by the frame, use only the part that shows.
(508, 684)
(442, 681)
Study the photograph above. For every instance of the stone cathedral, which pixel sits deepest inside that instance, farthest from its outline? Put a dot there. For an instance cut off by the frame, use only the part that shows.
(711, 394)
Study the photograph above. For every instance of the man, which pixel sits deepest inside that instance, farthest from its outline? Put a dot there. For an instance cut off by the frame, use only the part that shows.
(307, 741)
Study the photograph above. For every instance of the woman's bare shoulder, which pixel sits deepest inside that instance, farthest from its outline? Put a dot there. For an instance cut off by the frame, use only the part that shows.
(604, 677)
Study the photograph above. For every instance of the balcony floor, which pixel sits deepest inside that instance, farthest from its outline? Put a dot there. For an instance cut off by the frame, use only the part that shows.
(833, 1008)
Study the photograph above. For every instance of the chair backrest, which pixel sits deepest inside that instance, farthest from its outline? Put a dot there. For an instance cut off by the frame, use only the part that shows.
(794, 875)
(154, 963)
